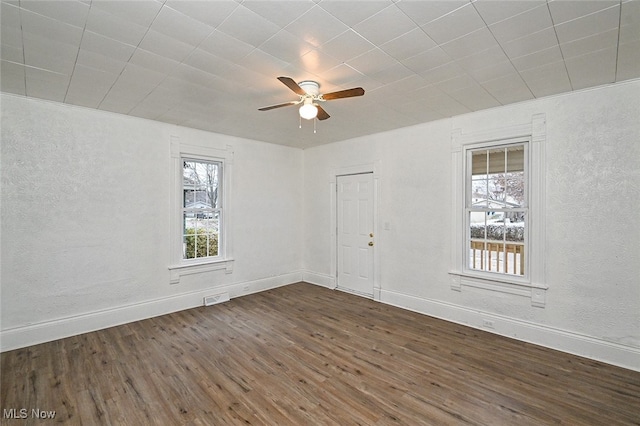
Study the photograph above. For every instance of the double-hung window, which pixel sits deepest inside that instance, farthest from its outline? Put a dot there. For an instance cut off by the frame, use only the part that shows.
(200, 219)
(202, 213)
(497, 208)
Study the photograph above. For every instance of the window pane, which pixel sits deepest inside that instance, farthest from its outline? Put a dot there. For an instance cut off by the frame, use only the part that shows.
(479, 184)
(201, 184)
(479, 162)
(495, 229)
(188, 184)
(515, 158)
(496, 177)
(497, 242)
(514, 189)
(514, 177)
(515, 226)
(479, 195)
(201, 234)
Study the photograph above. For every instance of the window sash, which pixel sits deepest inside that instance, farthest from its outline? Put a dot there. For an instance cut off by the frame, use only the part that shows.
(202, 227)
(500, 158)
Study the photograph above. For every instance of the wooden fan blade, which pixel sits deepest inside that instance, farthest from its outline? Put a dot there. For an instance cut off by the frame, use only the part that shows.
(291, 84)
(267, 108)
(322, 114)
(357, 91)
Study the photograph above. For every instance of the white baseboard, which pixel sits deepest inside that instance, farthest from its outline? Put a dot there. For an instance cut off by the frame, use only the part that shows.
(32, 334)
(316, 278)
(565, 341)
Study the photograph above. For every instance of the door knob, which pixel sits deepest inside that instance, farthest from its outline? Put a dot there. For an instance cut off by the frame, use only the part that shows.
(370, 243)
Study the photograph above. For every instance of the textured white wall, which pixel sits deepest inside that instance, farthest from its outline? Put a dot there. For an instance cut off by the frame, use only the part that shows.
(86, 215)
(85, 220)
(593, 227)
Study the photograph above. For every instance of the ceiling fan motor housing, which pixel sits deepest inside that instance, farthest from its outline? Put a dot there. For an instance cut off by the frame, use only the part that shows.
(310, 87)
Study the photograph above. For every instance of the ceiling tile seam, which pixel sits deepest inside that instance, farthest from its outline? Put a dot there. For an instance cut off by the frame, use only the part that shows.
(137, 47)
(439, 45)
(555, 33)
(619, 4)
(421, 27)
(373, 47)
(465, 71)
(167, 75)
(281, 30)
(34, 67)
(445, 14)
(436, 45)
(396, 62)
(510, 16)
(130, 56)
(24, 59)
(319, 4)
(75, 62)
(254, 48)
(298, 18)
(503, 51)
(618, 41)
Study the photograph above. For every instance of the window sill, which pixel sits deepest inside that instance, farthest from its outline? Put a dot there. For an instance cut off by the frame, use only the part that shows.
(177, 271)
(508, 285)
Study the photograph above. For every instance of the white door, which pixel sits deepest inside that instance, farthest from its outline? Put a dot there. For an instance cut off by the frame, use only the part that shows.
(355, 233)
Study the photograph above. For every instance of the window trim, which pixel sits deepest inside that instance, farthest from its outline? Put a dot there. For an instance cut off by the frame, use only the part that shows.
(178, 266)
(534, 285)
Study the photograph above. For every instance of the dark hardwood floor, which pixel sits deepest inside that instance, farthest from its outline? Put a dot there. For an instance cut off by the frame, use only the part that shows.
(306, 355)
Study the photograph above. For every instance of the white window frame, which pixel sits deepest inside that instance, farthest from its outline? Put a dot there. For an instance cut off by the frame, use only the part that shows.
(533, 284)
(178, 266)
(212, 210)
(467, 176)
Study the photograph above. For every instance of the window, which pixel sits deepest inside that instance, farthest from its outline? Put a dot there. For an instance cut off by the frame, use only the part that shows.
(200, 219)
(497, 209)
(201, 208)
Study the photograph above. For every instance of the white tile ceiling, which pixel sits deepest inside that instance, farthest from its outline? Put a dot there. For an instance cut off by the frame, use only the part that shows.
(211, 64)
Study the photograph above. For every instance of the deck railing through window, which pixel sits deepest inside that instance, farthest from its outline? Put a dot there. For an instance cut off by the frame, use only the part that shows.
(497, 256)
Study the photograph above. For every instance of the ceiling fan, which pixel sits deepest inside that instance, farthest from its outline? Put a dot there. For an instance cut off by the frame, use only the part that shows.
(310, 96)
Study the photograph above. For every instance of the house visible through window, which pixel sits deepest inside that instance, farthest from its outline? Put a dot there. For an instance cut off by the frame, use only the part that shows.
(201, 208)
(497, 209)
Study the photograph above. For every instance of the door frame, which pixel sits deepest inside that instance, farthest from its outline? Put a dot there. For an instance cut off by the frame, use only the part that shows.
(374, 168)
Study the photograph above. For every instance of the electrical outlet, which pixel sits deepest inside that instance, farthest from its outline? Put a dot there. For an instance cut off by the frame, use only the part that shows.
(487, 323)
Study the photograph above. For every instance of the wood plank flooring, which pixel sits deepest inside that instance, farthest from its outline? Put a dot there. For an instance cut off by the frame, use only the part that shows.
(306, 355)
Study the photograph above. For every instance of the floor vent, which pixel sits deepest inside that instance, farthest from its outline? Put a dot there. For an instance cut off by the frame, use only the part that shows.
(216, 298)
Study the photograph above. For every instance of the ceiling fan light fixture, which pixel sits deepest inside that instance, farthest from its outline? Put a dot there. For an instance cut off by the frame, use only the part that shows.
(308, 111)
(309, 94)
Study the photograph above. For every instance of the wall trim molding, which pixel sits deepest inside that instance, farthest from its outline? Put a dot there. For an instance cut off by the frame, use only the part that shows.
(322, 280)
(178, 266)
(533, 133)
(549, 337)
(33, 334)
